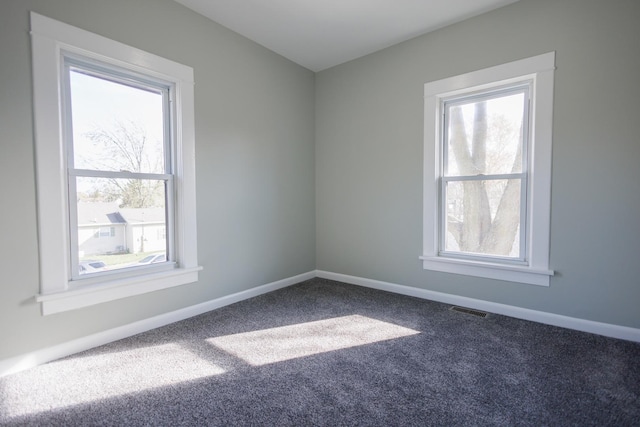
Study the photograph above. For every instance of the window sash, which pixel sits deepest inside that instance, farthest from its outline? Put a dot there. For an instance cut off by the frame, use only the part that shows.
(486, 95)
(521, 259)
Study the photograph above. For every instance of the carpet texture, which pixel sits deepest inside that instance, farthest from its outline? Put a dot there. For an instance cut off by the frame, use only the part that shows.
(327, 353)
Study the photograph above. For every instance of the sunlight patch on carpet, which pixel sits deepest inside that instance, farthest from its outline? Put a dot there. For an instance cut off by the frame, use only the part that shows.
(79, 380)
(306, 339)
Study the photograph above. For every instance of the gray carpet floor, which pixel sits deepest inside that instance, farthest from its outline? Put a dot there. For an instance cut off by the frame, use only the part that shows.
(327, 353)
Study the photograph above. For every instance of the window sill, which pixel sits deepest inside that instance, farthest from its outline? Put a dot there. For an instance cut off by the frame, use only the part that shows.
(115, 289)
(519, 274)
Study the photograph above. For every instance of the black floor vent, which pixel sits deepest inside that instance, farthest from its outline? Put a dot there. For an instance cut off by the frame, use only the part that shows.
(469, 311)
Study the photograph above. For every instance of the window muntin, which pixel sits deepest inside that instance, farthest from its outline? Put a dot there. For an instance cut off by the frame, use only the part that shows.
(484, 174)
(118, 139)
(493, 233)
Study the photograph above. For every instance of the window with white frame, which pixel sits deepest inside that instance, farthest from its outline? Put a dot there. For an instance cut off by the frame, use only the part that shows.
(102, 232)
(487, 172)
(114, 145)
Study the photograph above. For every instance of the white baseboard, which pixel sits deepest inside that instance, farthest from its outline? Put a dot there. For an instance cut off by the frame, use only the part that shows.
(29, 360)
(606, 329)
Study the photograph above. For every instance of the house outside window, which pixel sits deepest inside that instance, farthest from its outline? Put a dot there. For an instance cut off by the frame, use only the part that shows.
(161, 233)
(487, 172)
(114, 126)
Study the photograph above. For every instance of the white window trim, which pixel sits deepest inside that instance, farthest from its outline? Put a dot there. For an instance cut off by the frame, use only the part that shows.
(50, 38)
(539, 69)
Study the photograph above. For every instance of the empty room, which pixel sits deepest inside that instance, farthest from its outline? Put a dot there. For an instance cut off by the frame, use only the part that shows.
(296, 212)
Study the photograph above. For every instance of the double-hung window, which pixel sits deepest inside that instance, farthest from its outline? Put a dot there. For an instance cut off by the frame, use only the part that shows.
(487, 172)
(119, 160)
(114, 138)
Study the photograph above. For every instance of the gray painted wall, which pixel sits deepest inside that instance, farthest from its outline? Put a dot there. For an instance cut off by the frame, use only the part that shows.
(369, 138)
(255, 164)
(261, 216)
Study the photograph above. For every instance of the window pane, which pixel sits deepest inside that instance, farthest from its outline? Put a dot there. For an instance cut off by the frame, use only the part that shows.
(483, 217)
(116, 127)
(485, 136)
(120, 223)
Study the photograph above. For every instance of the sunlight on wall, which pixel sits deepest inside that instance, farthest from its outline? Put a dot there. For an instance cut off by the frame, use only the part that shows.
(79, 380)
(306, 339)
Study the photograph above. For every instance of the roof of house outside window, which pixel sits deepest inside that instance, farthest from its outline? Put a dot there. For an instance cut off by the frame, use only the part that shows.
(139, 215)
(104, 213)
(99, 213)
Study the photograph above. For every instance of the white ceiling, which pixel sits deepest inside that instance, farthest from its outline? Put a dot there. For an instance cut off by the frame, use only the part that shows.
(319, 34)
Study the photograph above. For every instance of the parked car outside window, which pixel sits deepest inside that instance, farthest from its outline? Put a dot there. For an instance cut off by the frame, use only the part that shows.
(152, 259)
(91, 266)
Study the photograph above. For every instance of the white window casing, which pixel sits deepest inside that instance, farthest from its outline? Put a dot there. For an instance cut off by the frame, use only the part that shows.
(51, 41)
(538, 71)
